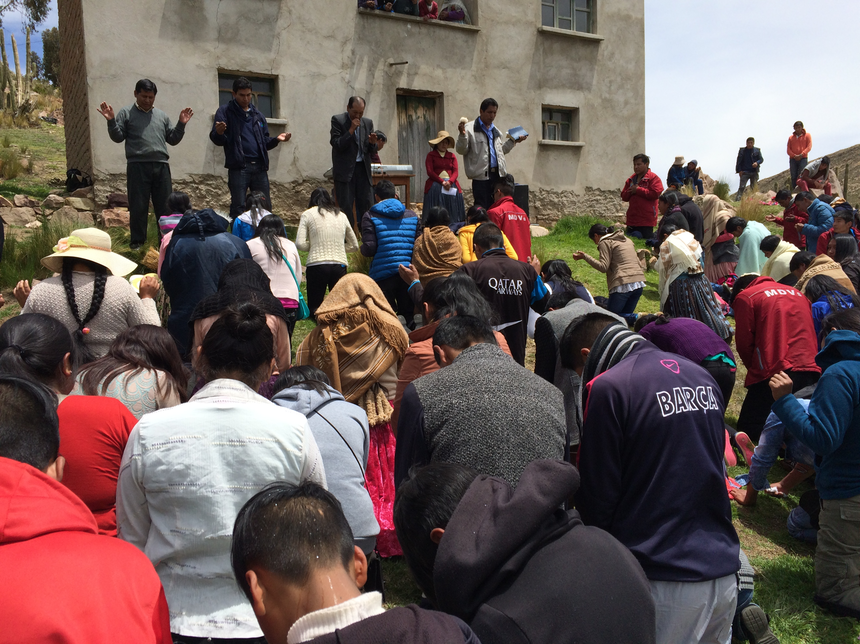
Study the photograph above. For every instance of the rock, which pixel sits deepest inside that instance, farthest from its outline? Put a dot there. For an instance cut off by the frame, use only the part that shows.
(117, 200)
(53, 202)
(67, 215)
(83, 193)
(114, 218)
(34, 224)
(538, 231)
(79, 203)
(5, 203)
(18, 216)
(23, 201)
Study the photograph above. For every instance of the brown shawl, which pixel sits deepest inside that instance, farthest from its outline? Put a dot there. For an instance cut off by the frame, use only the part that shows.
(437, 253)
(823, 265)
(357, 339)
(715, 214)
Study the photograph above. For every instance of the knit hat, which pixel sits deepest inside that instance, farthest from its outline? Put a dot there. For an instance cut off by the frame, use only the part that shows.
(92, 245)
(613, 344)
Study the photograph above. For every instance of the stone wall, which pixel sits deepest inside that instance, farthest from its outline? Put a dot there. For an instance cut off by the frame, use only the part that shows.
(73, 79)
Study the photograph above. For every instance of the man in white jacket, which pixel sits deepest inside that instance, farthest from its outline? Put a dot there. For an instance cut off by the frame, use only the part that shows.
(481, 145)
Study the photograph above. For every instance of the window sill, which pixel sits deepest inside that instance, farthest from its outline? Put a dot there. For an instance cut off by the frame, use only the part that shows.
(580, 35)
(564, 144)
(283, 122)
(415, 19)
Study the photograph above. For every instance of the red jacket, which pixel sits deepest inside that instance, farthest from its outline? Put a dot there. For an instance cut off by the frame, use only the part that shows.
(790, 233)
(774, 330)
(62, 582)
(435, 164)
(514, 222)
(643, 199)
(825, 237)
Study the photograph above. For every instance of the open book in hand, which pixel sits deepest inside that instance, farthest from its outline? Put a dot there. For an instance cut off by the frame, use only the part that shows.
(517, 132)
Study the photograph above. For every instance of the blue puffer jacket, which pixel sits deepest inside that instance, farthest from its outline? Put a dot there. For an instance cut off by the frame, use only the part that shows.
(831, 427)
(388, 233)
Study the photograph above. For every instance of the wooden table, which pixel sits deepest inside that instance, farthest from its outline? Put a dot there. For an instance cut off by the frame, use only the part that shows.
(398, 179)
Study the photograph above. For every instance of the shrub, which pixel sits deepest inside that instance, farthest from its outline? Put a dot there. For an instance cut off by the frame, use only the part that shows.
(10, 164)
(7, 142)
(751, 209)
(721, 189)
(22, 258)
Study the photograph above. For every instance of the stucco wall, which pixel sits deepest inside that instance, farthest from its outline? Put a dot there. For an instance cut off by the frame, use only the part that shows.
(323, 52)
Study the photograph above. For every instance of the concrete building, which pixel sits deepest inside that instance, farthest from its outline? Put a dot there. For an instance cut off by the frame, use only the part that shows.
(571, 72)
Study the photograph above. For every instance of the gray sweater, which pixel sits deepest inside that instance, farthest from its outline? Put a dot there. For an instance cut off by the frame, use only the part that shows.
(146, 134)
(484, 411)
(344, 476)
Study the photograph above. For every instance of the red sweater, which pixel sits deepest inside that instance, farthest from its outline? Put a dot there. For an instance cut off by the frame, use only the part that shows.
(514, 222)
(428, 10)
(436, 164)
(93, 434)
(62, 582)
(642, 199)
(774, 330)
(825, 237)
(790, 233)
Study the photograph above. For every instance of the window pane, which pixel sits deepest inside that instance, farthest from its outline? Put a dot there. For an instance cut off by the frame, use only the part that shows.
(543, 131)
(564, 23)
(551, 132)
(583, 22)
(261, 86)
(582, 4)
(563, 8)
(547, 16)
(224, 97)
(264, 104)
(225, 83)
(545, 115)
(565, 132)
(560, 116)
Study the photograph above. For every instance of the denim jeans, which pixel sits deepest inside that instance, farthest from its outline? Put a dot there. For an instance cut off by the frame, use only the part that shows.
(795, 167)
(624, 304)
(767, 451)
(751, 177)
(799, 525)
(251, 177)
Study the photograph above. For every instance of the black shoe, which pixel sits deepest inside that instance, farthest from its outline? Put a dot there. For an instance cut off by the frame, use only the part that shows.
(837, 609)
(755, 624)
(135, 246)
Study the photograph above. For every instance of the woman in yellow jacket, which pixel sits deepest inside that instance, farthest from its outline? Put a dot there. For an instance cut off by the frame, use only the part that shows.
(474, 218)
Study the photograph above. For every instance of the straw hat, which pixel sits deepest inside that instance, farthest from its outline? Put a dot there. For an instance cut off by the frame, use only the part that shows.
(441, 136)
(93, 245)
(679, 160)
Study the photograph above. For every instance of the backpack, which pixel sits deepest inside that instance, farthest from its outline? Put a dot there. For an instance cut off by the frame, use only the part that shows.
(76, 179)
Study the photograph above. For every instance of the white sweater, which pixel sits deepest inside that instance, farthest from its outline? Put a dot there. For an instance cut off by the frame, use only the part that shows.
(328, 237)
(282, 283)
(120, 308)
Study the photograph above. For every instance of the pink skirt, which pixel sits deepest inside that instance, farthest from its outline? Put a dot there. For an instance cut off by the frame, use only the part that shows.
(379, 479)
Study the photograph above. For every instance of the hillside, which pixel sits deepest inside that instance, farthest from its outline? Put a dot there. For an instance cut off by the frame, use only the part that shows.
(838, 161)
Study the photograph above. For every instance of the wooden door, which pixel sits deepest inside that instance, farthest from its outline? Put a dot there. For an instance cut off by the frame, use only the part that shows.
(416, 124)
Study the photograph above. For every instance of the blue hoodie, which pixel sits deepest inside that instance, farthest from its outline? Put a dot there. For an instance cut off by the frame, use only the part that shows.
(820, 221)
(832, 425)
(388, 233)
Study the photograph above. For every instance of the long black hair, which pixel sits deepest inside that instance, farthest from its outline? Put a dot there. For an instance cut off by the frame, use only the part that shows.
(459, 295)
(321, 199)
(837, 295)
(256, 203)
(846, 247)
(33, 346)
(270, 230)
(84, 354)
(558, 272)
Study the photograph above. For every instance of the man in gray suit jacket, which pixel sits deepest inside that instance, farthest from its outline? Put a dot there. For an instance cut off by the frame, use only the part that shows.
(353, 141)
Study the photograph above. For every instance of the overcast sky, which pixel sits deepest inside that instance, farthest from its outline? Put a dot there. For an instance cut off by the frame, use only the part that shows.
(718, 71)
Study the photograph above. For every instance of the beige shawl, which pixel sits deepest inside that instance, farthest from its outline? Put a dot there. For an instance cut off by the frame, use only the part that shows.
(823, 265)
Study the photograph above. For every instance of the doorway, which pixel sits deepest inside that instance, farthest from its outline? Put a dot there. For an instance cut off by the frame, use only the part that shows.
(419, 115)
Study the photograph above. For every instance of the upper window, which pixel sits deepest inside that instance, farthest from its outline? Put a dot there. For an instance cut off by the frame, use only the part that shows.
(576, 15)
(560, 124)
(262, 92)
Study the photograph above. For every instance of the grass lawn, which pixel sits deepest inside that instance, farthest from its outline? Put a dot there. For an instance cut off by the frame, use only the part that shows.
(784, 567)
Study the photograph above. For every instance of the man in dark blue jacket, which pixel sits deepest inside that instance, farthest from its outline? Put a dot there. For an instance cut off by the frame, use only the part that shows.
(748, 166)
(242, 131)
(651, 465)
(388, 234)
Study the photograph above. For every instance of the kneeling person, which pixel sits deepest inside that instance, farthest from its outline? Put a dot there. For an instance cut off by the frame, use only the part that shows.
(293, 557)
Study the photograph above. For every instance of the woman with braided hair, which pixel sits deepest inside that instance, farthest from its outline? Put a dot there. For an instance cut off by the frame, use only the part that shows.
(90, 296)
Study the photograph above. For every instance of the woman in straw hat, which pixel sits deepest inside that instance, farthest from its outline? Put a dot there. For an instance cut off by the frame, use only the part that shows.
(359, 344)
(89, 295)
(442, 187)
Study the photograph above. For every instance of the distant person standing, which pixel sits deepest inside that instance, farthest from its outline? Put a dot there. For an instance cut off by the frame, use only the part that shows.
(748, 166)
(353, 143)
(641, 191)
(241, 129)
(480, 144)
(146, 131)
(799, 147)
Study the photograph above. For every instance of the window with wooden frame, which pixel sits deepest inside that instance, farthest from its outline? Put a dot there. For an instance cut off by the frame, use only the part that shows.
(575, 15)
(559, 124)
(262, 91)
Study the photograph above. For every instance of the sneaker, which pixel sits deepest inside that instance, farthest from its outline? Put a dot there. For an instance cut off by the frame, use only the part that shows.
(837, 609)
(756, 625)
(729, 453)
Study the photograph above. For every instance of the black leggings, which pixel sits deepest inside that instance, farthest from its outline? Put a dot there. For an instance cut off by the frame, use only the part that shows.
(759, 400)
(320, 277)
(724, 375)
